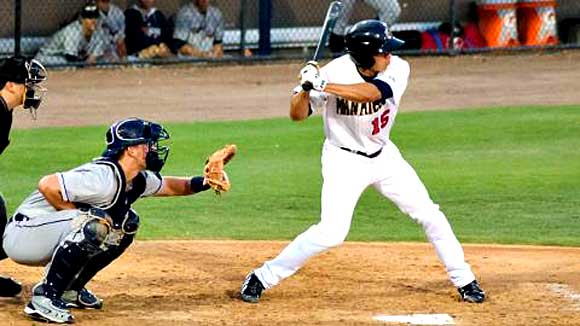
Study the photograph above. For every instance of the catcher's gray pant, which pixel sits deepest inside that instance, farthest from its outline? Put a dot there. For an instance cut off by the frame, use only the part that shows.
(33, 240)
(387, 10)
(346, 176)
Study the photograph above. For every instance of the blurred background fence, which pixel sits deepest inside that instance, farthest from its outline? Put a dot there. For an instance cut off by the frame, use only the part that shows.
(255, 29)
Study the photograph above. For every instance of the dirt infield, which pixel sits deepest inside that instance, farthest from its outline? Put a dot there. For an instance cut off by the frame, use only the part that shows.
(195, 282)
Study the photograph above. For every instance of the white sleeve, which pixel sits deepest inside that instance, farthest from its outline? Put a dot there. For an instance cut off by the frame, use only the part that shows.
(317, 99)
(397, 76)
(153, 183)
(89, 184)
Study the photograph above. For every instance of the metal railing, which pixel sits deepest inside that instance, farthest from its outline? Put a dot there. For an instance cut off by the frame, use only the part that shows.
(55, 30)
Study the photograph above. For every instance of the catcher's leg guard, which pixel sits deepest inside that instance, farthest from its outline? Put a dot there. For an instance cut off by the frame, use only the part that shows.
(68, 260)
(74, 252)
(103, 259)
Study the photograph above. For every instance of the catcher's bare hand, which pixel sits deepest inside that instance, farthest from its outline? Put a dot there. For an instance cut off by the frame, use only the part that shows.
(214, 174)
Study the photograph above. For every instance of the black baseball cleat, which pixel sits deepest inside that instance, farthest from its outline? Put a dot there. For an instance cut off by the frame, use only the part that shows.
(472, 293)
(9, 287)
(252, 289)
(83, 299)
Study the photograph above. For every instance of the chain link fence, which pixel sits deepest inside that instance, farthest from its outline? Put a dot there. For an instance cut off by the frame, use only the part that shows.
(80, 32)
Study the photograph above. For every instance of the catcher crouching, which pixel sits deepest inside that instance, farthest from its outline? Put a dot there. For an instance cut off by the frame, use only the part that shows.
(79, 221)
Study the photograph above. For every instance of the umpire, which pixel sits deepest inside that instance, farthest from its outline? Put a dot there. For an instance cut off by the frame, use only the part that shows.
(20, 85)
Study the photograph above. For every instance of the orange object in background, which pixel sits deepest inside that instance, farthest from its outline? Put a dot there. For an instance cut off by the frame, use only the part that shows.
(537, 22)
(498, 22)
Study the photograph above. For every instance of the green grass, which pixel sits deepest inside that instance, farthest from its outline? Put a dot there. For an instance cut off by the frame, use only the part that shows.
(508, 175)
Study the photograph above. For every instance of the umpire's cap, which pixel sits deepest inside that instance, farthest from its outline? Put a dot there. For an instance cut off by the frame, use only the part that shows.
(368, 38)
(21, 70)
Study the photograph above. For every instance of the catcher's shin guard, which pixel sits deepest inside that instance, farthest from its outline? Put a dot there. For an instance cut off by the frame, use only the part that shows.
(103, 259)
(74, 253)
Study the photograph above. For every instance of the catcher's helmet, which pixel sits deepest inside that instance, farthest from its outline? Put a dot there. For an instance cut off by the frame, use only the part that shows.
(368, 38)
(134, 131)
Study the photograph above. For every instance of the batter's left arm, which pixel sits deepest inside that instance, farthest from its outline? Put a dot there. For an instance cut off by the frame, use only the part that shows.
(362, 92)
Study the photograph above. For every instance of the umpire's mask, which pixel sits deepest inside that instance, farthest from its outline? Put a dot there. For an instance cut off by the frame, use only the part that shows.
(34, 88)
(31, 73)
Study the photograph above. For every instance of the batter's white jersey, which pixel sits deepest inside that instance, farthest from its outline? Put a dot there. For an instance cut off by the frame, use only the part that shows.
(363, 127)
(370, 160)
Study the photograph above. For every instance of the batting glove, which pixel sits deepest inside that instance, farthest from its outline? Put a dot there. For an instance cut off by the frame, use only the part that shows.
(312, 82)
(311, 66)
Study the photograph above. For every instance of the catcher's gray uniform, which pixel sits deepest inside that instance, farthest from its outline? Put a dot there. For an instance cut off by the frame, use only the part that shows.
(71, 41)
(199, 30)
(37, 228)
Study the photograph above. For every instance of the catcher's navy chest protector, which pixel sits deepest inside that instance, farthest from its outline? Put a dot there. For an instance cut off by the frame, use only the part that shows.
(123, 200)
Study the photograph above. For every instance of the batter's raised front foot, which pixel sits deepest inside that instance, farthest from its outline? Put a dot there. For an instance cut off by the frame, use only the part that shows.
(252, 289)
(472, 293)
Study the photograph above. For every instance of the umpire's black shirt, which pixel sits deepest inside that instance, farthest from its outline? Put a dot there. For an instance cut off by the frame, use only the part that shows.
(5, 124)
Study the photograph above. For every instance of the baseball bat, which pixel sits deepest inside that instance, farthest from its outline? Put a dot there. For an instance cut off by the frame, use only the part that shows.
(332, 14)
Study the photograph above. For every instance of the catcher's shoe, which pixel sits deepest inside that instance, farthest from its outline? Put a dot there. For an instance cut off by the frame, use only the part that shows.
(472, 293)
(83, 299)
(252, 289)
(9, 287)
(47, 309)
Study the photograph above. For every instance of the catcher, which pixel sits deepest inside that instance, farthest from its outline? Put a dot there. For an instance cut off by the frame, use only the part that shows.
(79, 221)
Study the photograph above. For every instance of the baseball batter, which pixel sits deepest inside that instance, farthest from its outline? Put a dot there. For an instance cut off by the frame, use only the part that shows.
(79, 221)
(359, 94)
(20, 85)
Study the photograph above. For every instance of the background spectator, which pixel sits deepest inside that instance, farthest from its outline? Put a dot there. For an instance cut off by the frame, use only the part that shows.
(79, 41)
(388, 11)
(147, 31)
(199, 30)
(112, 21)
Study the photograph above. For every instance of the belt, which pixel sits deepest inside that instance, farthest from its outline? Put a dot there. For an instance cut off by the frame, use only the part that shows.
(18, 218)
(372, 155)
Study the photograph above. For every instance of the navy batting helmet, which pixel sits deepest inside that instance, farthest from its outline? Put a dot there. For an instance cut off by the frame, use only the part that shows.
(368, 38)
(135, 131)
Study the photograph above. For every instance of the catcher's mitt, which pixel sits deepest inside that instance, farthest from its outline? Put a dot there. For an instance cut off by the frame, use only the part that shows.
(214, 173)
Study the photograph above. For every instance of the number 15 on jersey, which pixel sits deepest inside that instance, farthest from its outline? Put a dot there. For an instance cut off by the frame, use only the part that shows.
(379, 123)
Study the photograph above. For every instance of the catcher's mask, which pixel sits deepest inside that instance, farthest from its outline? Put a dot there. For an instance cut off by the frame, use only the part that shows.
(134, 131)
(29, 72)
(368, 38)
